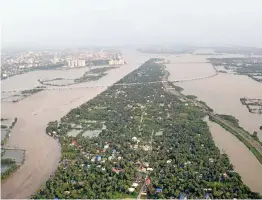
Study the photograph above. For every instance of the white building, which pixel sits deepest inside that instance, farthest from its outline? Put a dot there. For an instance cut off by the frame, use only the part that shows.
(76, 63)
(81, 63)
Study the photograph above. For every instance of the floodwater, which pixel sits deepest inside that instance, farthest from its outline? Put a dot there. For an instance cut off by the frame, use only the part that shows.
(14, 154)
(222, 93)
(42, 152)
(244, 161)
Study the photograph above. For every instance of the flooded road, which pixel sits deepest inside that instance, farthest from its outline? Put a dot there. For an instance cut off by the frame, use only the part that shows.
(42, 153)
(244, 161)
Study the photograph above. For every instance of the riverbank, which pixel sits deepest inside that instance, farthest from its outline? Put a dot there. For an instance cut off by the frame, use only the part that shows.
(139, 120)
(35, 112)
(252, 146)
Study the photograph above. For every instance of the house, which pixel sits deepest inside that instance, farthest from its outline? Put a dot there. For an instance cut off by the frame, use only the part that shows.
(98, 158)
(149, 169)
(168, 161)
(158, 190)
(207, 196)
(146, 164)
(116, 170)
(131, 189)
(134, 184)
(134, 139)
(73, 142)
(148, 181)
(182, 197)
(93, 159)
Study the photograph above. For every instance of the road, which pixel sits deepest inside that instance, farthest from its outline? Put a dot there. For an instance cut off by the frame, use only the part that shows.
(239, 131)
(147, 173)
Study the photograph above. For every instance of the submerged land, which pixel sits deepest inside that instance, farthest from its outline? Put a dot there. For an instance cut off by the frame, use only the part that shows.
(90, 144)
(152, 143)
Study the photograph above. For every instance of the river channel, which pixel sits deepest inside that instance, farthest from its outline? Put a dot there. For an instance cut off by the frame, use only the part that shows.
(42, 153)
(221, 92)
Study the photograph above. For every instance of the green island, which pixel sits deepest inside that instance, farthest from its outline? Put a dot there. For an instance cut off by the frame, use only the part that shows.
(11, 165)
(249, 66)
(91, 75)
(148, 144)
(8, 165)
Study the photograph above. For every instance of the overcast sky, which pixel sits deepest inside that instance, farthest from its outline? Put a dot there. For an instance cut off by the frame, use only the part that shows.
(84, 22)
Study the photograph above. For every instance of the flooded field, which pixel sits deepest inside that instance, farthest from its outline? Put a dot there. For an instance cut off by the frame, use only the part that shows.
(222, 92)
(43, 152)
(14, 154)
(245, 163)
(34, 112)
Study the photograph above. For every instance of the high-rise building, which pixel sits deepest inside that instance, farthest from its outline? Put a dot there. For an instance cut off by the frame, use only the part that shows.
(76, 63)
(81, 63)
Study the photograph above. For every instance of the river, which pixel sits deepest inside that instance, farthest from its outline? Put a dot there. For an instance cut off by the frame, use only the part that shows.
(244, 161)
(222, 93)
(42, 153)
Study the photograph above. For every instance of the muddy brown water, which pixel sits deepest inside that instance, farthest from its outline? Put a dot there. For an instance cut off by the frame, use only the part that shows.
(243, 160)
(43, 152)
(222, 93)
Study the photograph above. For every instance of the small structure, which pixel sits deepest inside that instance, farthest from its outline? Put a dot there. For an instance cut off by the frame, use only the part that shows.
(131, 189)
(98, 158)
(148, 181)
(182, 197)
(207, 196)
(149, 169)
(116, 170)
(73, 142)
(134, 139)
(146, 164)
(158, 190)
(106, 146)
(134, 184)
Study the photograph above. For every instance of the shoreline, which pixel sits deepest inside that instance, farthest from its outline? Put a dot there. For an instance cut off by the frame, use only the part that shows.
(76, 144)
(43, 152)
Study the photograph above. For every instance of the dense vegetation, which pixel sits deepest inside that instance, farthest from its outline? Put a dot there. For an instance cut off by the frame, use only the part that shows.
(3, 142)
(251, 67)
(11, 169)
(148, 133)
(230, 118)
(32, 91)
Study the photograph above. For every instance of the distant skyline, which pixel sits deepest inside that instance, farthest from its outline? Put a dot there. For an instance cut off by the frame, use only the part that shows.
(71, 23)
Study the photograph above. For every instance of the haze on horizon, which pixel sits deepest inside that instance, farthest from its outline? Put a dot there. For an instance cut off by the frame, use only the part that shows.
(63, 23)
